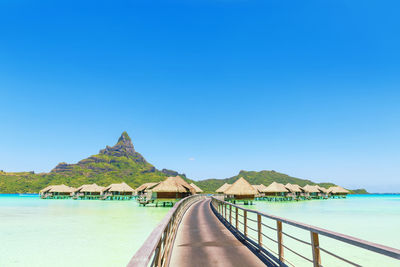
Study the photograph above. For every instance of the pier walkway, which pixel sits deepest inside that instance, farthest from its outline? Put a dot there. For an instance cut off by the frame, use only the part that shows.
(202, 240)
(202, 231)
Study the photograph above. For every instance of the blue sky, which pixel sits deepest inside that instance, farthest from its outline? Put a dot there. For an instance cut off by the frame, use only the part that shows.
(208, 88)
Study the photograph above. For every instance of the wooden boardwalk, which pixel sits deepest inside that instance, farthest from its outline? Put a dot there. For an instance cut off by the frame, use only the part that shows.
(202, 240)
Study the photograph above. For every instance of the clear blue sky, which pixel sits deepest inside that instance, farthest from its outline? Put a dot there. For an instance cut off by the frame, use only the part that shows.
(208, 88)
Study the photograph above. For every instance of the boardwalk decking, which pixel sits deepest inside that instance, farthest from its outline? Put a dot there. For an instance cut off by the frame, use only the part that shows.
(202, 240)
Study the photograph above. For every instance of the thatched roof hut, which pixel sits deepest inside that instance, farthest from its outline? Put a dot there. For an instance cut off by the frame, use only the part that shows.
(294, 188)
(338, 190)
(62, 189)
(90, 189)
(259, 187)
(196, 188)
(223, 188)
(322, 189)
(46, 189)
(311, 189)
(57, 190)
(121, 189)
(144, 187)
(173, 187)
(241, 189)
(275, 188)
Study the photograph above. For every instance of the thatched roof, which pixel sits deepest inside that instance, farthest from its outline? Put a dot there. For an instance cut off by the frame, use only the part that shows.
(338, 190)
(90, 188)
(241, 187)
(198, 189)
(275, 188)
(293, 188)
(145, 186)
(61, 189)
(122, 187)
(223, 188)
(259, 187)
(311, 189)
(298, 187)
(58, 189)
(46, 189)
(322, 189)
(173, 184)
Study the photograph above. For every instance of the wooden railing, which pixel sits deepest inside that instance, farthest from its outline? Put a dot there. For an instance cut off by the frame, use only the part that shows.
(254, 231)
(156, 250)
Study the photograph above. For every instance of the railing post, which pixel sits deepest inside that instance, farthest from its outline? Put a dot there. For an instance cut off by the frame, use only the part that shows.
(245, 222)
(280, 241)
(158, 254)
(230, 214)
(259, 230)
(315, 249)
(237, 218)
(225, 211)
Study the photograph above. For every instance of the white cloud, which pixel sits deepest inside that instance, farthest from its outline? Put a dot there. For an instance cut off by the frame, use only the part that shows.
(191, 159)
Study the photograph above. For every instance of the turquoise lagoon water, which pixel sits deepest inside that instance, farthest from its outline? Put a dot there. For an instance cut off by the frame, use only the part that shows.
(374, 218)
(36, 232)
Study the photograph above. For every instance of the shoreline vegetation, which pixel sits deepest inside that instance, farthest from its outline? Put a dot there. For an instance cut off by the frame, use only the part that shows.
(122, 163)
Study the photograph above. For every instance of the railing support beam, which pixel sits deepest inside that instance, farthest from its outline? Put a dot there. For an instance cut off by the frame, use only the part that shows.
(259, 230)
(237, 218)
(280, 241)
(245, 222)
(315, 249)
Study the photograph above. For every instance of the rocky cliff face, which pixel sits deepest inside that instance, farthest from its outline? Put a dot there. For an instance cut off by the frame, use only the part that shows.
(123, 148)
(112, 155)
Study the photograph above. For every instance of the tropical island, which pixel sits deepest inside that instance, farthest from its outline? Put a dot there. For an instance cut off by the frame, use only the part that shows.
(122, 163)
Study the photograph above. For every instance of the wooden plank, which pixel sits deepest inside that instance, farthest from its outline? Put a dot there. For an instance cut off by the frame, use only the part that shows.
(280, 241)
(315, 249)
(146, 252)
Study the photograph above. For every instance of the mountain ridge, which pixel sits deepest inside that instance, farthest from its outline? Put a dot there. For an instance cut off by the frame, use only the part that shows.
(122, 163)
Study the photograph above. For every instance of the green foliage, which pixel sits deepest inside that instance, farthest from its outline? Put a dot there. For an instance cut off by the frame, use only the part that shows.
(253, 177)
(359, 191)
(113, 166)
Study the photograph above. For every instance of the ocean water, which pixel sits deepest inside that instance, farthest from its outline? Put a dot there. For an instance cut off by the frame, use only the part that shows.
(375, 218)
(36, 232)
(39, 232)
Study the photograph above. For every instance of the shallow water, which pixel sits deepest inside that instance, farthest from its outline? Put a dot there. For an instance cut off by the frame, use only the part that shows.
(38, 232)
(374, 218)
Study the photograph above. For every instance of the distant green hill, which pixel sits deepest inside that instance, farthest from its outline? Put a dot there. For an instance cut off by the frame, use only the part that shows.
(121, 163)
(253, 177)
(112, 165)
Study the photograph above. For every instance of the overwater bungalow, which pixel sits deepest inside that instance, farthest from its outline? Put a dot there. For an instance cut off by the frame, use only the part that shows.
(141, 190)
(241, 191)
(338, 191)
(259, 188)
(312, 191)
(168, 192)
(276, 192)
(88, 191)
(223, 188)
(196, 188)
(120, 191)
(56, 192)
(323, 191)
(295, 191)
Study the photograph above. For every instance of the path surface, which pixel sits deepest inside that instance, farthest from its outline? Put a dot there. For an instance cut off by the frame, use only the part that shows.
(202, 240)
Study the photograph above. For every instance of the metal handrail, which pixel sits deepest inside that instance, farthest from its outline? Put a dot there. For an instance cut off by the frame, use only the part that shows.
(220, 206)
(156, 249)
